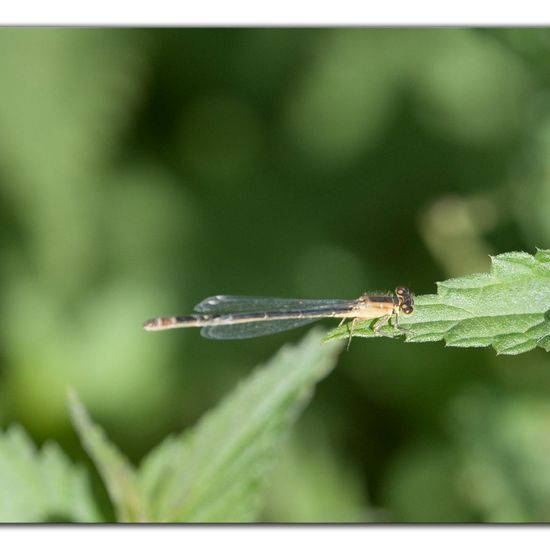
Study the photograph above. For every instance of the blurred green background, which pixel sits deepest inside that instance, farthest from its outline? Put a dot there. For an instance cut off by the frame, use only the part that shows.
(143, 170)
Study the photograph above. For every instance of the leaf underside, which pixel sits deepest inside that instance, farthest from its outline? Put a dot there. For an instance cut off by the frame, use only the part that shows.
(217, 470)
(41, 486)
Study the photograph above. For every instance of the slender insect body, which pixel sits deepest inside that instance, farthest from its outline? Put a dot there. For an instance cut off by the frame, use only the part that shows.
(246, 317)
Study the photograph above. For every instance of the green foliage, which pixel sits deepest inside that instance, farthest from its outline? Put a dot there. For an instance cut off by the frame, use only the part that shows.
(141, 170)
(41, 486)
(116, 471)
(507, 308)
(217, 471)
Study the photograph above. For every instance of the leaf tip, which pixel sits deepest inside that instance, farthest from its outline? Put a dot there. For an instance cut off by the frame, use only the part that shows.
(77, 411)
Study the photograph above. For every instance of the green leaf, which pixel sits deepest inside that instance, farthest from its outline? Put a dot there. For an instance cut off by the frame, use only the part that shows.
(117, 473)
(508, 308)
(217, 471)
(41, 486)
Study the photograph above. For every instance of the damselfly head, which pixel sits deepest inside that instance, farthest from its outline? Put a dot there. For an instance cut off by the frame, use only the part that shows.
(405, 300)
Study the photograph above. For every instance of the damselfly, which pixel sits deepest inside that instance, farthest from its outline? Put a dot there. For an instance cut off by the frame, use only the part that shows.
(229, 317)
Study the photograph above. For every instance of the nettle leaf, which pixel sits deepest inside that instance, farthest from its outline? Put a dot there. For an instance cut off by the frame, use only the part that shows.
(216, 472)
(41, 486)
(508, 308)
(116, 471)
